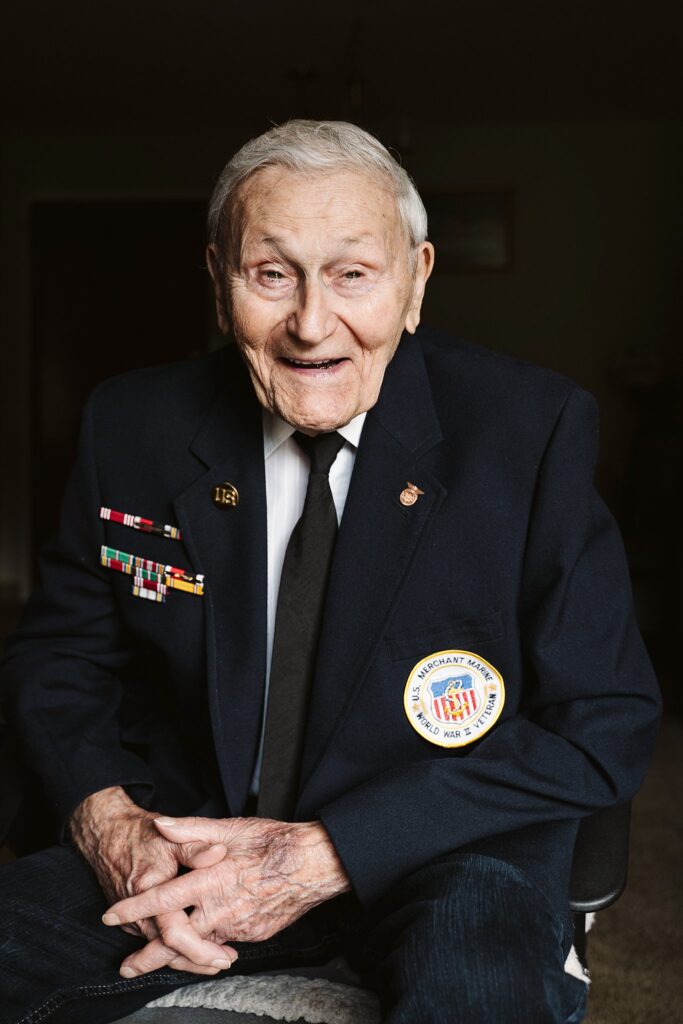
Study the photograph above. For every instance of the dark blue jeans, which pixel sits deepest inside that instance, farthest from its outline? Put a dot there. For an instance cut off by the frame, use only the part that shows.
(466, 940)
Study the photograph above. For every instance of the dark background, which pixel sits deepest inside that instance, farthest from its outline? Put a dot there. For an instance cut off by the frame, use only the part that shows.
(117, 118)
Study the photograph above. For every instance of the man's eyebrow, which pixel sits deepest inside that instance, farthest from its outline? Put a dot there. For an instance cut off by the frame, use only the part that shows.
(277, 247)
(367, 236)
(272, 242)
(273, 245)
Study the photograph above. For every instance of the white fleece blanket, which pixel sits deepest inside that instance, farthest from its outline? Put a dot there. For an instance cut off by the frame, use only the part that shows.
(289, 998)
(282, 997)
(285, 997)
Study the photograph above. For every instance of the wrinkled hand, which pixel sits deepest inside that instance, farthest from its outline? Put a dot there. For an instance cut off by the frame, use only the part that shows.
(129, 856)
(271, 874)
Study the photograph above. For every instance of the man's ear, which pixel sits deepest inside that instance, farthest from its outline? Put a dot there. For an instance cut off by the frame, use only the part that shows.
(213, 263)
(423, 268)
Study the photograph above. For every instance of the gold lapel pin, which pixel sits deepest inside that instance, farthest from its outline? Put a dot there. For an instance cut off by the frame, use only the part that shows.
(410, 494)
(225, 495)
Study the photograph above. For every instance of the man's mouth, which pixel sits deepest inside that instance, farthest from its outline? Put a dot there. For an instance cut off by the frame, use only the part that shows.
(312, 364)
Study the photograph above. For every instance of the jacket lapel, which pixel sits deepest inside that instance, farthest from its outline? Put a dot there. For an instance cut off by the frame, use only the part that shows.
(377, 541)
(228, 545)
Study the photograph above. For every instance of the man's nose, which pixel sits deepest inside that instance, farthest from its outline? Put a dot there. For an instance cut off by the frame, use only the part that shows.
(313, 319)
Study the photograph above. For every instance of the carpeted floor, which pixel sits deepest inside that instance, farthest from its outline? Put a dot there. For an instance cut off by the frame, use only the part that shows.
(636, 947)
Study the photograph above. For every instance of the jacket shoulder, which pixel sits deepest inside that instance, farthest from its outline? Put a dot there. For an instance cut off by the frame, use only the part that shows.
(180, 386)
(503, 385)
(445, 353)
(155, 412)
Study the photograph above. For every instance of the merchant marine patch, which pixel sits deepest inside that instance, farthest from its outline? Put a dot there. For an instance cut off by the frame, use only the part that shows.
(453, 697)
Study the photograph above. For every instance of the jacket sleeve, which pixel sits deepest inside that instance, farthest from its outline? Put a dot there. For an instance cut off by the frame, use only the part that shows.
(58, 682)
(583, 736)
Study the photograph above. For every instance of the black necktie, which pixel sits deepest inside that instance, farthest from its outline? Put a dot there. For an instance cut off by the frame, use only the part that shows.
(300, 603)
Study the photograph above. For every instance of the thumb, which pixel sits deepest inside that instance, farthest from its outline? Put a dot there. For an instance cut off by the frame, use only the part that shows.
(199, 855)
(149, 878)
(187, 830)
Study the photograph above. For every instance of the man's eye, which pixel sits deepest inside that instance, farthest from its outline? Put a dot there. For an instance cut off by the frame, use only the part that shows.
(353, 275)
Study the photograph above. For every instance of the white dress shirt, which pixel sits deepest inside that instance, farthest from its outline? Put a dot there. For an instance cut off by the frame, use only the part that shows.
(286, 484)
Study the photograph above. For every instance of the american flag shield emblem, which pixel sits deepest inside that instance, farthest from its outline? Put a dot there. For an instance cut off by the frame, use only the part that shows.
(453, 698)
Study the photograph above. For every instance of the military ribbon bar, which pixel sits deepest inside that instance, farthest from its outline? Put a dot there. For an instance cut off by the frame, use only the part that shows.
(139, 523)
(150, 595)
(152, 576)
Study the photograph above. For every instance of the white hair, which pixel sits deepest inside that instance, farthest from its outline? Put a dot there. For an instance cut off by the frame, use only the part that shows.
(309, 147)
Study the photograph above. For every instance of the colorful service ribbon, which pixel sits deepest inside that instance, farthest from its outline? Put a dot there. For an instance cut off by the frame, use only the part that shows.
(151, 576)
(139, 523)
(144, 591)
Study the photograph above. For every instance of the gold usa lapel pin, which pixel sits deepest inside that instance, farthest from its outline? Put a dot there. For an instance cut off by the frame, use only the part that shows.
(225, 495)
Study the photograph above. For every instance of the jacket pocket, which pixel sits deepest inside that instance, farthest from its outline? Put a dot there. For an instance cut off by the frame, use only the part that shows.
(456, 634)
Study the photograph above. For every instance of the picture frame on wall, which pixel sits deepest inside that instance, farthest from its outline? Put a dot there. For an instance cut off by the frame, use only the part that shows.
(472, 229)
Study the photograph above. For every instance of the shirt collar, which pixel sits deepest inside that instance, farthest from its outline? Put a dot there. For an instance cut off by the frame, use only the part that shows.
(276, 431)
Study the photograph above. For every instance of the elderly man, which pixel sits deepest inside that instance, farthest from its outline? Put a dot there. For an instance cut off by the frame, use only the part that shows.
(385, 738)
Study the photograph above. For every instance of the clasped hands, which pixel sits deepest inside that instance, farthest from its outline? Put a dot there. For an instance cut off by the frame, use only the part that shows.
(248, 878)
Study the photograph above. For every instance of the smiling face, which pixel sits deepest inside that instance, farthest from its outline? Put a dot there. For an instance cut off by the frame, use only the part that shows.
(319, 293)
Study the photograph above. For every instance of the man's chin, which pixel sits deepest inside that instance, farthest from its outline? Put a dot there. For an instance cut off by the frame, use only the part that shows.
(316, 421)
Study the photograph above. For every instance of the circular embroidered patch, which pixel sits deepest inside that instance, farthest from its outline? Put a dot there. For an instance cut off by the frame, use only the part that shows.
(453, 697)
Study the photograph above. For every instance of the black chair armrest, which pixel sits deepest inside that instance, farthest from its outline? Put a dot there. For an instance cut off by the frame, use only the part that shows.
(600, 865)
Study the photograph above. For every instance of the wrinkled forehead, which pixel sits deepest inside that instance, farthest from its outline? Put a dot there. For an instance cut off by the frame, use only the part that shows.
(321, 208)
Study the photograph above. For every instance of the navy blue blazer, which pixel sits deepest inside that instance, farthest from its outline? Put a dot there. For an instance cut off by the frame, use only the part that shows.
(508, 554)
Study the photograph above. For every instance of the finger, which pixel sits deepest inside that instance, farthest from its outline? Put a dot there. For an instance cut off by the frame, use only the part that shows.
(199, 855)
(181, 964)
(156, 955)
(177, 932)
(147, 929)
(149, 878)
(131, 929)
(174, 934)
(185, 830)
(176, 894)
(150, 958)
(178, 940)
(146, 959)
